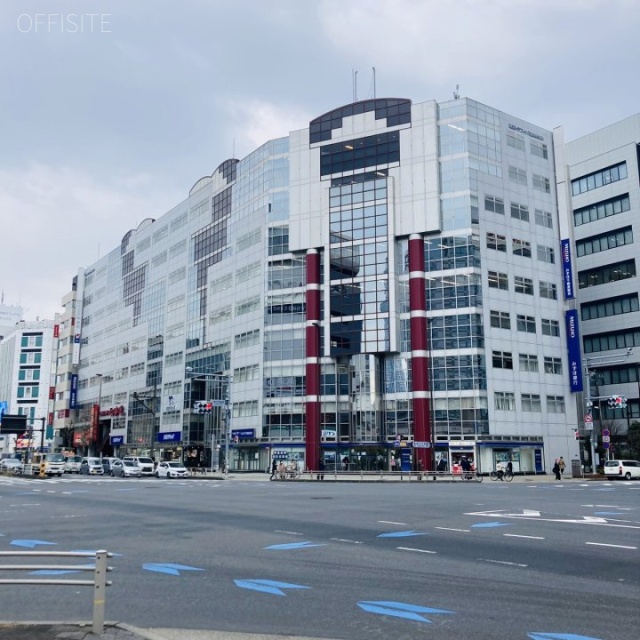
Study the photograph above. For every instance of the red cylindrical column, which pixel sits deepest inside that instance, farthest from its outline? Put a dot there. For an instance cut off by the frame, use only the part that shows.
(419, 352)
(312, 353)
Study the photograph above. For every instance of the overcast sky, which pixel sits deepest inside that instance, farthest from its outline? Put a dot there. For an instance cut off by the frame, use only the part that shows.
(111, 121)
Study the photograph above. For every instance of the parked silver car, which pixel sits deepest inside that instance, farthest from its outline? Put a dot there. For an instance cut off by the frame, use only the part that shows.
(91, 467)
(11, 465)
(125, 469)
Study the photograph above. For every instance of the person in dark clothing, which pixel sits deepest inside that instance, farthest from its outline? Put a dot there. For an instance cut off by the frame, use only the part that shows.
(321, 467)
(556, 470)
(274, 469)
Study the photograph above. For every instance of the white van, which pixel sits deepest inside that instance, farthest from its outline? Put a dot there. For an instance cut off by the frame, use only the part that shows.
(147, 466)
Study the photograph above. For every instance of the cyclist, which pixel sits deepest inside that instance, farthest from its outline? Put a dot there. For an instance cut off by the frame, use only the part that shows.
(500, 472)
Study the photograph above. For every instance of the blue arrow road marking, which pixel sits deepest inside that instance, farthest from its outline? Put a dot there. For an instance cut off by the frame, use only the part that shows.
(167, 567)
(57, 572)
(537, 635)
(489, 525)
(294, 545)
(268, 586)
(399, 609)
(30, 544)
(401, 534)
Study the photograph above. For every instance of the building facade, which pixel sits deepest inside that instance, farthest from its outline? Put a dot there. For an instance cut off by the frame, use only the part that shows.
(27, 369)
(599, 189)
(384, 285)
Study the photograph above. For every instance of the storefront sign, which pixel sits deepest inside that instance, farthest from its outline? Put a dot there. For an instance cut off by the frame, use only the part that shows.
(573, 347)
(170, 436)
(117, 440)
(567, 270)
(73, 397)
(243, 433)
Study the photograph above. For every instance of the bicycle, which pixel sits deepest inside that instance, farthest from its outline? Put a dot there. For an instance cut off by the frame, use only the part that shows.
(507, 476)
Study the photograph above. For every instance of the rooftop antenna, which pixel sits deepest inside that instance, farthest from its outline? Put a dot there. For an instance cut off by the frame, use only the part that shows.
(355, 86)
(374, 82)
(456, 94)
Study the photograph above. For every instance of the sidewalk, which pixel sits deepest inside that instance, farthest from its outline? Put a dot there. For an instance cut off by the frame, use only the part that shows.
(120, 631)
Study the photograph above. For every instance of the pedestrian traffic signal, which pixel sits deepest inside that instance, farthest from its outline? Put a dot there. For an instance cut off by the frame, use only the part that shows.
(576, 434)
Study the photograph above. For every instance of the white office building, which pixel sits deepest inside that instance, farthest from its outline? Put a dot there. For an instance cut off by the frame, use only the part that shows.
(384, 284)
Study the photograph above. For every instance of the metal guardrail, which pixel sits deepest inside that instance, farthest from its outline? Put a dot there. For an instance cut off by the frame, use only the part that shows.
(387, 476)
(99, 581)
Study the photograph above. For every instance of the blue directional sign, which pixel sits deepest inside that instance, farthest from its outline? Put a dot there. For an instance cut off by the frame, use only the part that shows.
(401, 534)
(268, 586)
(30, 544)
(489, 525)
(294, 545)
(400, 609)
(536, 635)
(168, 567)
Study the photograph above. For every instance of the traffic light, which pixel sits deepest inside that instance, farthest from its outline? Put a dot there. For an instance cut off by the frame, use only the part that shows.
(617, 402)
(202, 406)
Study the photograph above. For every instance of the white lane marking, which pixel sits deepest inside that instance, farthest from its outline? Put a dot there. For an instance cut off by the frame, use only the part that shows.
(392, 522)
(515, 535)
(291, 533)
(346, 540)
(510, 564)
(615, 546)
(26, 504)
(416, 550)
(450, 529)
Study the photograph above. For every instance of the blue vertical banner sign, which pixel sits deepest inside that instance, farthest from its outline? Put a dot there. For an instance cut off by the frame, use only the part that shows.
(573, 347)
(567, 270)
(73, 395)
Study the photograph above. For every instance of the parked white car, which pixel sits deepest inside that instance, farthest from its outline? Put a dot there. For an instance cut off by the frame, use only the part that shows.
(622, 469)
(146, 464)
(72, 464)
(171, 470)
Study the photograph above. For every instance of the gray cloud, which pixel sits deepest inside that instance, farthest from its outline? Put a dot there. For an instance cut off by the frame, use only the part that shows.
(102, 129)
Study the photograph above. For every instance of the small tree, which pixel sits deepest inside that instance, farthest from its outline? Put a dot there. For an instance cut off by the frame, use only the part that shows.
(631, 448)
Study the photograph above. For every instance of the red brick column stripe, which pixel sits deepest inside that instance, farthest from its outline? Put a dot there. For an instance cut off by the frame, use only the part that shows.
(419, 350)
(312, 353)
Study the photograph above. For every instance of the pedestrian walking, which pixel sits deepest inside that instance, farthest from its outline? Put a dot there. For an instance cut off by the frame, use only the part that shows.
(274, 469)
(556, 469)
(562, 466)
(320, 475)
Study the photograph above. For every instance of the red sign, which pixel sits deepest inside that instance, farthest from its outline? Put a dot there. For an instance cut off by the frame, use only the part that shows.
(114, 412)
(56, 330)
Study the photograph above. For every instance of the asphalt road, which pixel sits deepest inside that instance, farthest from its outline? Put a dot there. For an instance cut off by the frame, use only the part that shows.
(335, 560)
